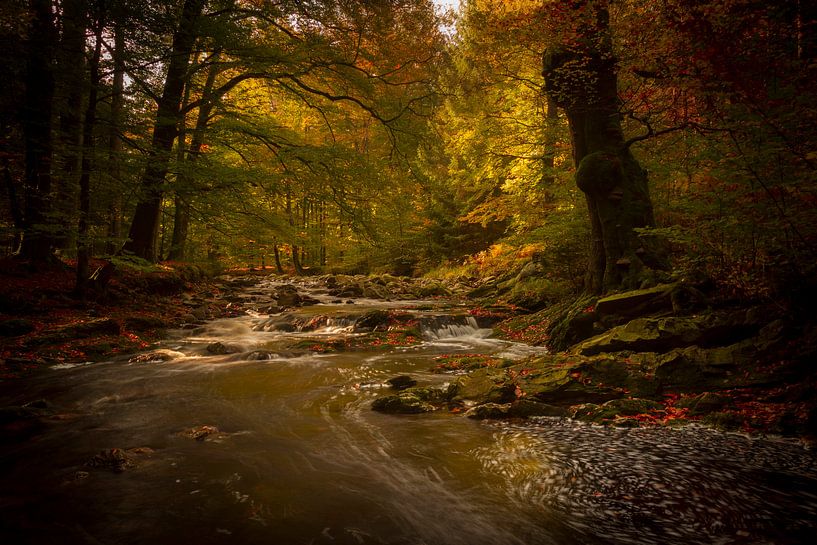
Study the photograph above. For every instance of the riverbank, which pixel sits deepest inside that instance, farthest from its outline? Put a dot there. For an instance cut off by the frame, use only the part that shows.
(43, 323)
(663, 356)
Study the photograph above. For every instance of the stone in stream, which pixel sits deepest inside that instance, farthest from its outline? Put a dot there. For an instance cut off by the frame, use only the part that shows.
(414, 400)
(117, 459)
(374, 320)
(402, 403)
(220, 349)
(402, 382)
(156, 356)
(201, 433)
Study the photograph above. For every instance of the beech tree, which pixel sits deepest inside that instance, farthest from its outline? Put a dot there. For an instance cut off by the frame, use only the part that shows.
(581, 77)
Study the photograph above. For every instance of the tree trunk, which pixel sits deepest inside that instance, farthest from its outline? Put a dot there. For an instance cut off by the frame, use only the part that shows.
(278, 266)
(70, 86)
(36, 243)
(83, 242)
(181, 220)
(582, 79)
(145, 223)
(114, 140)
(296, 261)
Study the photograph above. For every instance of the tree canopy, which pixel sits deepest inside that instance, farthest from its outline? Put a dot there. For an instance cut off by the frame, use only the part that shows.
(612, 143)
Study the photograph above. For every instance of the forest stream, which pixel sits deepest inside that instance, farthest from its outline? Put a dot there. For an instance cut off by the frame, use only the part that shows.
(277, 444)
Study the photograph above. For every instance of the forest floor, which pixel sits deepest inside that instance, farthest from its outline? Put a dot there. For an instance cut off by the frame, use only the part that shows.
(43, 322)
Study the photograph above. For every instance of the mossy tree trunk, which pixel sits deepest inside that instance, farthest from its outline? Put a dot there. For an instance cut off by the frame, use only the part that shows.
(581, 78)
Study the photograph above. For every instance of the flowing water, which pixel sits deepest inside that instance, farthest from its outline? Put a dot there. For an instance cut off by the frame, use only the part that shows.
(300, 458)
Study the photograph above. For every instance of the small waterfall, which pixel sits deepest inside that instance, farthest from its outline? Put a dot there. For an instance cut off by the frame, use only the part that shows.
(449, 327)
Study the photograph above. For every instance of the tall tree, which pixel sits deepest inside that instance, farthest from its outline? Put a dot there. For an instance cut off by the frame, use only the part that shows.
(145, 223)
(581, 77)
(37, 131)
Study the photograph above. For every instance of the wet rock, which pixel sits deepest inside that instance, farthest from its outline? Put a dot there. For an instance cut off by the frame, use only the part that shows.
(219, 348)
(189, 318)
(665, 334)
(311, 323)
(636, 302)
(724, 420)
(415, 400)
(486, 385)
(259, 355)
(200, 313)
(156, 356)
(402, 403)
(374, 320)
(488, 411)
(607, 412)
(34, 410)
(525, 408)
(694, 368)
(15, 327)
(288, 297)
(402, 382)
(283, 323)
(703, 404)
(200, 433)
(115, 459)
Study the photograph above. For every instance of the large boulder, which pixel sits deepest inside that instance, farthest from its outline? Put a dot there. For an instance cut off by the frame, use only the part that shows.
(486, 385)
(665, 334)
(636, 302)
(420, 399)
(402, 403)
(608, 411)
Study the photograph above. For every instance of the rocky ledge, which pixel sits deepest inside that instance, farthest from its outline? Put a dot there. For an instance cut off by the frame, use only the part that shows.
(661, 356)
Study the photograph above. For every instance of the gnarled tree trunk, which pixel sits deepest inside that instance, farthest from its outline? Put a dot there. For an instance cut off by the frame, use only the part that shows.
(582, 79)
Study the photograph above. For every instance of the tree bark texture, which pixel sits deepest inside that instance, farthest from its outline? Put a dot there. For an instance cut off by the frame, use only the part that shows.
(581, 79)
(69, 93)
(145, 223)
(83, 231)
(37, 239)
(114, 139)
(184, 194)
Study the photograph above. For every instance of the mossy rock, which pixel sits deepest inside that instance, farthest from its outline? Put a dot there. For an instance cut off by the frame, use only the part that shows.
(636, 302)
(487, 411)
(724, 421)
(373, 320)
(665, 334)
(704, 404)
(609, 411)
(402, 403)
(526, 408)
(486, 385)
(566, 380)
